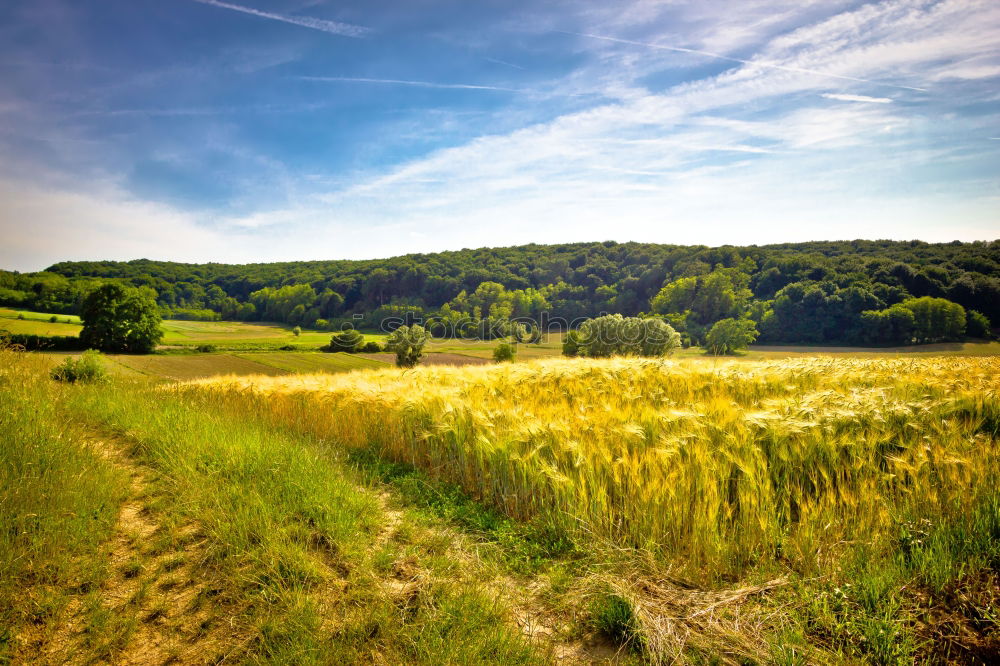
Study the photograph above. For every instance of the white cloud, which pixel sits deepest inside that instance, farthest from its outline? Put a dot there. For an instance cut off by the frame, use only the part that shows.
(742, 157)
(857, 98)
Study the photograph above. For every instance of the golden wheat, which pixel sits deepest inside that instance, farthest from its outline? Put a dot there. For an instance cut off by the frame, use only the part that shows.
(721, 465)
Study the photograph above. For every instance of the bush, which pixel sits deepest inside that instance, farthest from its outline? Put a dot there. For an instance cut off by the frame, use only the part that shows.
(729, 335)
(53, 319)
(205, 349)
(87, 368)
(371, 347)
(297, 331)
(504, 351)
(45, 343)
(571, 344)
(349, 341)
(408, 344)
(977, 325)
(287, 348)
(615, 335)
(193, 314)
(20, 315)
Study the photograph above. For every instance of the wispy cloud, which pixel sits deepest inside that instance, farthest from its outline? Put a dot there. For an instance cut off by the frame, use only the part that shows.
(402, 82)
(503, 62)
(840, 97)
(323, 25)
(752, 63)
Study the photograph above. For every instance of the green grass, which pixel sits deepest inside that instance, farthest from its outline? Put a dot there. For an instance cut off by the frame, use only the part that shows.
(291, 552)
(13, 313)
(58, 503)
(246, 336)
(312, 361)
(195, 366)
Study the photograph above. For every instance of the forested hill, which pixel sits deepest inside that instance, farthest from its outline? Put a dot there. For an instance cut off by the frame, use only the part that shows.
(816, 290)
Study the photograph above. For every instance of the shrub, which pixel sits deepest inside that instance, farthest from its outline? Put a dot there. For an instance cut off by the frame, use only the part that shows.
(53, 319)
(728, 335)
(287, 348)
(615, 335)
(408, 344)
(46, 343)
(87, 368)
(20, 315)
(571, 343)
(297, 331)
(349, 341)
(205, 349)
(504, 351)
(977, 325)
(371, 347)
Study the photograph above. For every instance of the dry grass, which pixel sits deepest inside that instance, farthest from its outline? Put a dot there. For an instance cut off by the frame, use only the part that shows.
(718, 464)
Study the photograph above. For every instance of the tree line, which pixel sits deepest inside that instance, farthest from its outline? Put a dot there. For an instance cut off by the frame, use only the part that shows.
(850, 292)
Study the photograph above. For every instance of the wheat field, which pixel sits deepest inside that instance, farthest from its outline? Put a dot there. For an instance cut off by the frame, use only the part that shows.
(718, 466)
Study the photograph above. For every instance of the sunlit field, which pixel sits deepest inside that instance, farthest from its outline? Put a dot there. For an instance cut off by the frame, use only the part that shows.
(718, 472)
(721, 466)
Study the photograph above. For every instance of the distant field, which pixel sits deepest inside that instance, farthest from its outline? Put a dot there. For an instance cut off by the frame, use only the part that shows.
(312, 361)
(195, 366)
(243, 338)
(433, 358)
(197, 332)
(30, 327)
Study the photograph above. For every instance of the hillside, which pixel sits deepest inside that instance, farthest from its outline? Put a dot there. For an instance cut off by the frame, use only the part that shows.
(817, 291)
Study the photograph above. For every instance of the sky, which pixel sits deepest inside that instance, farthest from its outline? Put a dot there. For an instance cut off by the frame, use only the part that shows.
(265, 130)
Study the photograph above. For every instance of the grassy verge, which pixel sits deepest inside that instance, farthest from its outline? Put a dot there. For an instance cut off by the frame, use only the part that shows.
(58, 504)
(257, 546)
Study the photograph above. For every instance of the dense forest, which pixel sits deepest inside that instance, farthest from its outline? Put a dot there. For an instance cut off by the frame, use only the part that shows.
(851, 292)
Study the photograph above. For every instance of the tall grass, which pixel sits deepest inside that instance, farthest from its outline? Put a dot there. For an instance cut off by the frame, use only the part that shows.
(289, 538)
(58, 501)
(720, 468)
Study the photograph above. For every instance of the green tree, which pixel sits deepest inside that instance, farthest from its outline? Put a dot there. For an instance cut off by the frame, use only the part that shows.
(615, 335)
(297, 331)
(704, 299)
(730, 335)
(504, 351)
(936, 319)
(571, 344)
(977, 325)
(407, 342)
(892, 326)
(349, 341)
(120, 319)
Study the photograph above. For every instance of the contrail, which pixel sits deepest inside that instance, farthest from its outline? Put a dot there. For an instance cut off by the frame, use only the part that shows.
(857, 98)
(332, 27)
(503, 62)
(755, 63)
(401, 82)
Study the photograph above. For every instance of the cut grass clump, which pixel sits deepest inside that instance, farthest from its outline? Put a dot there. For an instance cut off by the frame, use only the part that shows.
(613, 616)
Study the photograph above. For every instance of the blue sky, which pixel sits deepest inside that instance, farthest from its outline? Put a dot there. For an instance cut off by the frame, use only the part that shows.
(260, 130)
